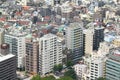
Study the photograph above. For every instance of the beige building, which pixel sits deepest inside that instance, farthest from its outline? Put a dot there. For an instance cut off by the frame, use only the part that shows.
(96, 65)
(1, 36)
(32, 55)
(88, 41)
(110, 14)
(80, 70)
(104, 47)
(96, 62)
(116, 42)
(67, 7)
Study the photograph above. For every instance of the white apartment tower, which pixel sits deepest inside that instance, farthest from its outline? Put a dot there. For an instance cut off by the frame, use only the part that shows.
(50, 53)
(17, 47)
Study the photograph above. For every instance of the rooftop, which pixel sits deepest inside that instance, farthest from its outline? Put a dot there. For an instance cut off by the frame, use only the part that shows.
(48, 36)
(5, 57)
(115, 54)
(75, 25)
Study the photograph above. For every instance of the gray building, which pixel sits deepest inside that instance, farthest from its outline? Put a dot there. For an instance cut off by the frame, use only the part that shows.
(74, 40)
(7, 64)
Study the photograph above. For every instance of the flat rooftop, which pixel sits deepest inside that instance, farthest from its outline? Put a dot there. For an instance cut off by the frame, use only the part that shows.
(48, 36)
(5, 57)
(115, 54)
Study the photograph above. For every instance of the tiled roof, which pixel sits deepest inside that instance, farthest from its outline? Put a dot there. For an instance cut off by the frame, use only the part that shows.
(24, 22)
(2, 19)
(6, 26)
(47, 17)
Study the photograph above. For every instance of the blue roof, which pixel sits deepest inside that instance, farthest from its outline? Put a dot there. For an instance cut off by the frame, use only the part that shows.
(109, 38)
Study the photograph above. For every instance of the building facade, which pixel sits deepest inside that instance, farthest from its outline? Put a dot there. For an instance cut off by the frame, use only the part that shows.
(17, 47)
(113, 65)
(1, 36)
(74, 40)
(32, 56)
(50, 2)
(8, 67)
(116, 42)
(88, 41)
(96, 69)
(80, 70)
(96, 64)
(50, 53)
(7, 64)
(98, 37)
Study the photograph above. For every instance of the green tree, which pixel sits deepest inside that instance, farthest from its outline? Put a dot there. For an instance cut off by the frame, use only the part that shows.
(101, 78)
(65, 78)
(69, 63)
(18, 79)
(58, 67)
(71, 73)
(37, 77)
(49, 78)
(55, 68)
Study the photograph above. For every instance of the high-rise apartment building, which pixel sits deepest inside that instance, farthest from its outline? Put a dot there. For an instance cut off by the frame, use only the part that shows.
(17, 47)
(32, 56)
(50, 53)
(88, 41)
(98, 37)
(74, 40)
(113, 64)
(7, 64)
